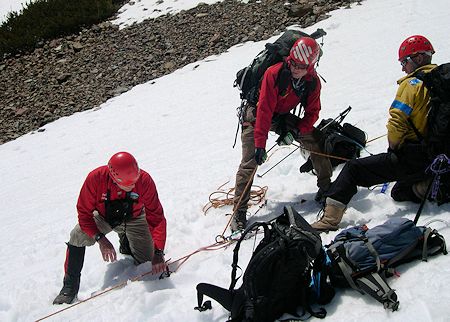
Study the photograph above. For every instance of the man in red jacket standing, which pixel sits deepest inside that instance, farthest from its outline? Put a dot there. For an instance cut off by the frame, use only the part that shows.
(116, 197)
(284, 86)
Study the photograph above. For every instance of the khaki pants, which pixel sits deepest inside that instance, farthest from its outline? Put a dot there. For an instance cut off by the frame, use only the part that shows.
(322, 165)
(136, 230)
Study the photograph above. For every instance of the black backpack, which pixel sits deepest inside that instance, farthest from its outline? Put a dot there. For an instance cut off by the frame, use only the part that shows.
(248, 79)
(363, 258)
(438, 83)
(438, 124)
(344, 141)
(278, 277)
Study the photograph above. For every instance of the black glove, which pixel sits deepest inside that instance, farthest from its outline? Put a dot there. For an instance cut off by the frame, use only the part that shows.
(260, 155)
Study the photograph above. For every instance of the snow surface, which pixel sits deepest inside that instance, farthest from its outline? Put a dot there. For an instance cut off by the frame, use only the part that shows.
(136, 11)
(7, 6)
(181, 129)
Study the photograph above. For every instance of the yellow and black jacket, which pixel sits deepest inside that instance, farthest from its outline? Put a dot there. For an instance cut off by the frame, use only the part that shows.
(411, 101)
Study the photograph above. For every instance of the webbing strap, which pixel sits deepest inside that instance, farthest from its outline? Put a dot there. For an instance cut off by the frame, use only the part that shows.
(401, 255)
(416, 131)
(382, 290)
(374, 253)
(371, 285)
(426, 234)
(346, 270)
(381, 282)
(234, 265)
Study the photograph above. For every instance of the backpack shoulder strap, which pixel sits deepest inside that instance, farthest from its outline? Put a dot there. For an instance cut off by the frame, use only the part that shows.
(234, 265)
(433, 243)
(283, 79)
(416, 131)
(375, 286)
(310, 86)
(372, 284)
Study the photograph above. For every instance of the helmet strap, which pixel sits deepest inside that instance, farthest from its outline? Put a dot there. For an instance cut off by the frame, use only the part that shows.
(412, 62)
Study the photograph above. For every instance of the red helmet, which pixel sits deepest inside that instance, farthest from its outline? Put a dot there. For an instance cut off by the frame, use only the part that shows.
(124, 169)
(305, 51)
(414, 45)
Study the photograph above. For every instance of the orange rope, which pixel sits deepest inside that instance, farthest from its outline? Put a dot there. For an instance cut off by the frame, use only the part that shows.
(378, 137)
(220, 198)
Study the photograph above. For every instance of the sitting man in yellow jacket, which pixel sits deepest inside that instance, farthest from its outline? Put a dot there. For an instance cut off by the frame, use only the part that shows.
(406, 159)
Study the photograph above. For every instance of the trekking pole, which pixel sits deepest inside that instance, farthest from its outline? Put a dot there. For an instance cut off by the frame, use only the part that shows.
(290, 153)
(271, 147)
(422, 204)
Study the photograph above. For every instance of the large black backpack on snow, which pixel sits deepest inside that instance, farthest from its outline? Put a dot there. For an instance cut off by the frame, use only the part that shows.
(363, 258)
(340, 142)
(248, 79)
(345, 141)
(278, 276)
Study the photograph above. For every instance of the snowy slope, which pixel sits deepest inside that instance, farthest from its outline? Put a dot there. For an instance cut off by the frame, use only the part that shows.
(181, 128)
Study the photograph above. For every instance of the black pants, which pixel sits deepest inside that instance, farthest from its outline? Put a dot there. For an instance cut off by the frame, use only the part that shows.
(406, 166)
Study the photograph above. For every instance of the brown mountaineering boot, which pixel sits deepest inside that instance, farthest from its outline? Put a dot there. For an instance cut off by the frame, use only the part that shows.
(332, 216)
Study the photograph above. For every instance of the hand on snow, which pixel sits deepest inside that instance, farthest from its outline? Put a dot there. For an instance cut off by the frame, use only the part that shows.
(158, 263)
(107, 250)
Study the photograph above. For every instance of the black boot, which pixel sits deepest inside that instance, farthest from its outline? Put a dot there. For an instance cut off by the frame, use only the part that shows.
(239, 221)
(73, 265)
(306, 167)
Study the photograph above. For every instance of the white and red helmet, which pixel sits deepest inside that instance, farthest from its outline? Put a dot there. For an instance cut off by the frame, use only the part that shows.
(124, 169)
(305, 51)
(412, 45)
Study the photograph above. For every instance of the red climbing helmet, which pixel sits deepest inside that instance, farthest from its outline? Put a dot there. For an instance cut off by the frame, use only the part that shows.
(305, 51)
(414, 45)
(124, 169)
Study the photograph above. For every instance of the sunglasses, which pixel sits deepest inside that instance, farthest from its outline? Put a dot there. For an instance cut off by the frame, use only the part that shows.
(404, 61)
(298, 65)
(407, 59)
